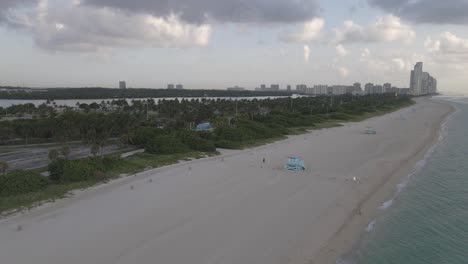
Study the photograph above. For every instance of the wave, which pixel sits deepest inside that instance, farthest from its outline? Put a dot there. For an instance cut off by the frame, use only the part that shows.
(371, 226)
(420, 164)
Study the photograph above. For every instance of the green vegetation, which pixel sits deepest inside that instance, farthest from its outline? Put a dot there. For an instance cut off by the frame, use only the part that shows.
(168, 136)
(23, 189)
(20, 182)
(100, 93)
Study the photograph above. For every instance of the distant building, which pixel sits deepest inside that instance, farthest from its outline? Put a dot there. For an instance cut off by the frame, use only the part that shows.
(236, 88)
(179, 87)
(321, 89)
(369, 88)
(288, 88)
(301, 88)
(263, 87)
(170, 87)
(403, 91)
(122, 85)
(378, 89)
(357, 87)
(387, 88)
(338, 89)
(275, 87)
(422, 83)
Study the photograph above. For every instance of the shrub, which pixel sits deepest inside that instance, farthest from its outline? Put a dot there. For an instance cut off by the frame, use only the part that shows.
(93, 168)
(3, 166)
(144, 135)
(56, 170)
(53, 154)
(21, 182)
(165, 145)
(195, 142)
(226, 144)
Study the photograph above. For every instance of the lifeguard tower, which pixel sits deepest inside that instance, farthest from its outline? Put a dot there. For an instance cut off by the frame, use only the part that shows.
(295, 164)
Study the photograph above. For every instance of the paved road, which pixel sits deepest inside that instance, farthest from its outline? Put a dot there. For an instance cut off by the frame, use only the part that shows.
(36, 157)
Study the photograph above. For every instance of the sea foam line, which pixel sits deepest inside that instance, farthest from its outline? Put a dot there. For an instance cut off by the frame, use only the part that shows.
(420, 164)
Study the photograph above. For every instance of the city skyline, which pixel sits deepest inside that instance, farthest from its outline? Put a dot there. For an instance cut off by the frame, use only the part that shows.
(88, 43)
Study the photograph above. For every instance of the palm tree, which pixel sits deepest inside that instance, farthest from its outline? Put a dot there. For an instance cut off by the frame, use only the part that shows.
(65, 151)
(53, 154)
(3, 166)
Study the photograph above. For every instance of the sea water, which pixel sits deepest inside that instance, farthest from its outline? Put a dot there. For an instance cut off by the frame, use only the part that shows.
(427, 220)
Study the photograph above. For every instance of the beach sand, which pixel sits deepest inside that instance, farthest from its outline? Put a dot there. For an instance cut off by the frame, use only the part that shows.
(234, 208)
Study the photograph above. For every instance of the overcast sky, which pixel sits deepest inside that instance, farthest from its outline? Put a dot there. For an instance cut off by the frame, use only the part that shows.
(221, 43)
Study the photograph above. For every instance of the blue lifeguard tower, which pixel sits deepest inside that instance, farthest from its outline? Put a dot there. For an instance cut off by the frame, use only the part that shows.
(206, 126)
(295, 164)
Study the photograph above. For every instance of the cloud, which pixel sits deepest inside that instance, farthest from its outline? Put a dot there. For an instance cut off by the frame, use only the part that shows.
(389, 62)
(89, 29)
(426, 11)
(448, 49)
(310, 31)
(237, 11)
(343, 71)
(341, 50)
(306, 53)
(447, 43)
(385, 29)
(7, 6)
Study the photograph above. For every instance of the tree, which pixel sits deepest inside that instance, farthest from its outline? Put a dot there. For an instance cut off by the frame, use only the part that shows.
(53, 154)
(3, 166)
(95, 149)
(65, 151)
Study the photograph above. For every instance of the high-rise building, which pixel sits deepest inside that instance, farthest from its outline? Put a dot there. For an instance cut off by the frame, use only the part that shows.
(422, 83)
(378, 89)
(357, 87)
(387, 88)
(288, 88)
(369, 88)
(170, 87)
(274, 87)
(321, 89)
(179, 87)
(301, 88)
(122, 85)
(338, 89)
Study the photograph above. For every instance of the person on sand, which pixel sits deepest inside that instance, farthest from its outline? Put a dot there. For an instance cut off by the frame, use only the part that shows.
(263, 159)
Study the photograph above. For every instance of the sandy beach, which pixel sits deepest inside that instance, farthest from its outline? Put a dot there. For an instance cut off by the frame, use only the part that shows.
(234, 209)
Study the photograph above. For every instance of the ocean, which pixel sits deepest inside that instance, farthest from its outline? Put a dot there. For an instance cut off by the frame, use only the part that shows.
(426, 222)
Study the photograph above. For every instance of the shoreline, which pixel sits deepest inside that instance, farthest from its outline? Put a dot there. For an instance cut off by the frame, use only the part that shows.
(347, 238)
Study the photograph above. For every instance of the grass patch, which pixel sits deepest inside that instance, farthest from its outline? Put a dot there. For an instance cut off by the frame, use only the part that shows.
(51, 193)
(132, 165)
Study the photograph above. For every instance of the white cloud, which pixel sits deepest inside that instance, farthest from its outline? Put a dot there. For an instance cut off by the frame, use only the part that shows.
(310, 31)
(341, 50)
(400, 63)
(306, 53)
(448, 51)
(385, 29)
(343, 71)
(365, 53)
(447, 43)
(89, 29)
(390, 62)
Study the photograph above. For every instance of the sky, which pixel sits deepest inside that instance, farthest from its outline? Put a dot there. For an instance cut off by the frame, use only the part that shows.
(214, 44)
